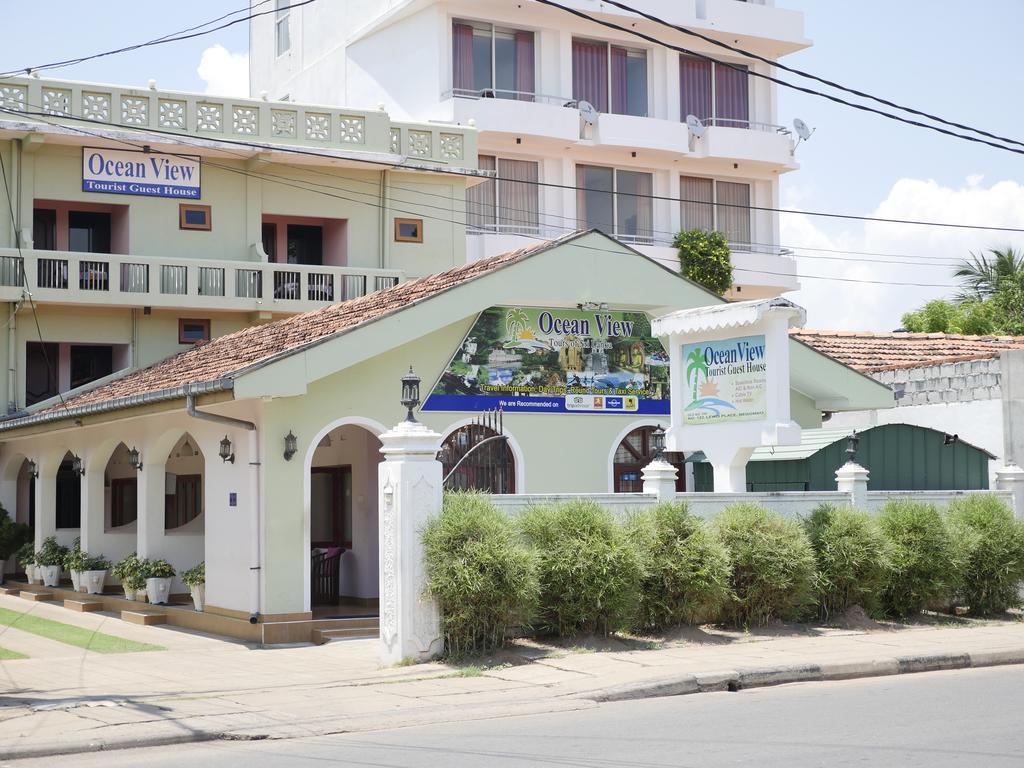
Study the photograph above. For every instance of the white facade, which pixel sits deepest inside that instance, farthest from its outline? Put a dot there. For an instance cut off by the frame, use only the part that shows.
(427, 60)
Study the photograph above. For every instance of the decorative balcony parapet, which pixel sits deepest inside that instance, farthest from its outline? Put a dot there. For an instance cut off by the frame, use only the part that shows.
(236, 119)
(126, 280)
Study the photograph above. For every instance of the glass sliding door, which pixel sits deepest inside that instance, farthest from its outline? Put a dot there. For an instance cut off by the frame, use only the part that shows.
(732, 101)
(492, 61)
(634, 220)
(714, 93)
(590, 73)
(694, 88)
(518, 203)
(698, 197)
(595, 198)
(711, 205)
(481, 200)
(613, 79)
(733, 204)
(629, 82)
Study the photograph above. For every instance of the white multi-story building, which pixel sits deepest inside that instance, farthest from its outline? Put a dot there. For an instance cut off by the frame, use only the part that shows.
(519, 71)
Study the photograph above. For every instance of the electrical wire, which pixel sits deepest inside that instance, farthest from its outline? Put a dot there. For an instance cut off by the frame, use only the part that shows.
(808, 75)
(478, 175)
(777, 80)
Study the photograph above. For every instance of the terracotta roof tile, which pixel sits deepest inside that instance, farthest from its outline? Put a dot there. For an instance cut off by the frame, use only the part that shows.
(873, 352)
(228, 355)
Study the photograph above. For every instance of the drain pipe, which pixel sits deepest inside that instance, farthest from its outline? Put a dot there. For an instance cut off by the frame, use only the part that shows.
(254, 494)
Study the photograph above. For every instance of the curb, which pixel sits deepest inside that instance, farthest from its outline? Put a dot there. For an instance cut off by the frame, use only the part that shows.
(99, 745)
(740, 679)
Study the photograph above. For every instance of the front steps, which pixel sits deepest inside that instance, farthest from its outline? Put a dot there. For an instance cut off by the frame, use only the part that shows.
(345, 629)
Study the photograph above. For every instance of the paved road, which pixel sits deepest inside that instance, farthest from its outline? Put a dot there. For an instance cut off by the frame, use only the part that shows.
(966, 718)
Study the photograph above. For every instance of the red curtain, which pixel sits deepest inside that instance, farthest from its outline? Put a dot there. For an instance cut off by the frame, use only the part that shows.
(462, 57)
(620, 80)
(732, 102)
(694, 87)
(590, 73)
(525, 66)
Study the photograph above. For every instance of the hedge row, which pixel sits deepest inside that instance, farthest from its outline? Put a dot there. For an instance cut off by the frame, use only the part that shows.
(573, 567)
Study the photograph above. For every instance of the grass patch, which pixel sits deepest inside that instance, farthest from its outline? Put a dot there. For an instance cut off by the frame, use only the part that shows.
(71, 635)
(6, 655)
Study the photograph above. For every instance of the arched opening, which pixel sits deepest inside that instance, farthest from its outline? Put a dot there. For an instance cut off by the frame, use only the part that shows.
(491, 467)
(25, 503)
(183, 484)
(68, 492)
(343, 527)
(634, 453)
(121, 490)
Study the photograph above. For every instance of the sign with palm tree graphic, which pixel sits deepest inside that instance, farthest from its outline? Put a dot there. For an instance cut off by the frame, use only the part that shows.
(726, 380)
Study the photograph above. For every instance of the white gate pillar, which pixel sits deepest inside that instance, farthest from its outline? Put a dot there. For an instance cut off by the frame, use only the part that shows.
(1011, 478)
(410, 493)
(660, 479)
(852, 479)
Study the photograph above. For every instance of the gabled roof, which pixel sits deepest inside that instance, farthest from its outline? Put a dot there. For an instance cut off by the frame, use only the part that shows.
(874, 352)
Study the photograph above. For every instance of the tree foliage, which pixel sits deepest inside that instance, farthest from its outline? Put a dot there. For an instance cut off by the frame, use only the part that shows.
(704, 258)
(971, 318)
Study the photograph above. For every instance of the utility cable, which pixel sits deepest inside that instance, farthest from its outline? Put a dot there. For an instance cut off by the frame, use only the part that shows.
(808, 75)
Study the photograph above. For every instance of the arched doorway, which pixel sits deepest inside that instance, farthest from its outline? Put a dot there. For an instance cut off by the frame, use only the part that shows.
(121, 500)
(183, 485)
(343, 526)
(68, 493)
(634, 453)
(490, 468)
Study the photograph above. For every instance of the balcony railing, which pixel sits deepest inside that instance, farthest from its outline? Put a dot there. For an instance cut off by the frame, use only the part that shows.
(68, 277)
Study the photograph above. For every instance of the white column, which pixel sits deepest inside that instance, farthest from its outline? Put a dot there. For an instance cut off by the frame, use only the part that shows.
(730, 468)
(1011, 478)
(852, 479)
(46, 500)
(660, 480)
(149, 524)
(410, 492)
(93, 508)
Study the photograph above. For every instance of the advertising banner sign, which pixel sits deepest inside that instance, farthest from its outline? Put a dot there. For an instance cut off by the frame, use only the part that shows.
(537, 360)
(727, 380)
(149, 174)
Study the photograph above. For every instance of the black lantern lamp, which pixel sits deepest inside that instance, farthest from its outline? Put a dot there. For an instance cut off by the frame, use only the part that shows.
(658, 443)
(76, 465)
(852, 442)
(33, 470)
(226, 454)
(135, 459)
(410, 393)
(291, 445)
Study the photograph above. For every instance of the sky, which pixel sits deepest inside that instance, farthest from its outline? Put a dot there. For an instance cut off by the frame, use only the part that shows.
(954, 59)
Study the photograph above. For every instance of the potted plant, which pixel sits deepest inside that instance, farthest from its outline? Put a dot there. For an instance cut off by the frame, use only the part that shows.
(27, 560)
(94, 574)
(14, 538)
(195, 580)
(74, 562)
(129, 571)
(159, 575)
(50, 558)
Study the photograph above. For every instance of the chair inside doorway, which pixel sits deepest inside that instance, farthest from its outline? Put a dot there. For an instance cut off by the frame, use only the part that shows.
(331, 530)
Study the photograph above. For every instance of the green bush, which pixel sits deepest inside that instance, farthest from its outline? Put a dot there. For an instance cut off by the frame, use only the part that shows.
(75, 557)
(685, 567)
(482, 576)
(588, 570)
(705, 259)
(95, 563)
(26, 554)
(131, 572)
(925, 567)
(993, 549)
(194, 576)
(157, 569)
(772, 564)
(13, 537)
(51, 553)
(852, 557)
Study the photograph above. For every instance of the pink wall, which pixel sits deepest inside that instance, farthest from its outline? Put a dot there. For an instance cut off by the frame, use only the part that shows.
(118, 221)
(335, 236)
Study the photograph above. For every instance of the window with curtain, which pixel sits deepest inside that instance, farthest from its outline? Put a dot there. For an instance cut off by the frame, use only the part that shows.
(508, 204)
(281, 31)
(713, 92)
(616, 202)
(711, 205)
(492, 61)
(610, 76)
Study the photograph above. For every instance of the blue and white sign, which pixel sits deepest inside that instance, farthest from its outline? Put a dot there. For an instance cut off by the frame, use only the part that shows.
(150, 174)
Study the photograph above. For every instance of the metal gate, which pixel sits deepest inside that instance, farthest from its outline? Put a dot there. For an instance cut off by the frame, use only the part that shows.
(477, 457)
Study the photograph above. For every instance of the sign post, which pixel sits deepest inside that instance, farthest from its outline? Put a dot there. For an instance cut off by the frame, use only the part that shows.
(730, 382)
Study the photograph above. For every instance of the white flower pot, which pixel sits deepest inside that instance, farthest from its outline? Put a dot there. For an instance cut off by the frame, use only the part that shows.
(51, 575)
(159, 590)
(32, 574)
(76, 579)
(93, 581)
(198, 596)
(129, 593)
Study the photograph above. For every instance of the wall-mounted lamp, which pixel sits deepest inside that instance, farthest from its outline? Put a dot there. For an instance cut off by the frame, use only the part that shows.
(226, 453)
(950, 439)
(852, 443)
(410, 393)
(389, 493)
(76, 465)
(291, 446)
(658, 443)
(33, 470)
(135, 459)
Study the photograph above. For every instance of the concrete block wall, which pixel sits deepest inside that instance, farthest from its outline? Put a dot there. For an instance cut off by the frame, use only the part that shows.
(962, 382)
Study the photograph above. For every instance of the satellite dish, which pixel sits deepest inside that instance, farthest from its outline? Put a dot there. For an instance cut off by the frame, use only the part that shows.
(588, 113)
(802, 130)
(695, 125)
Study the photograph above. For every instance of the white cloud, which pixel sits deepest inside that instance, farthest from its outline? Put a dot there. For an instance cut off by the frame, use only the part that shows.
(225, 73)
(930, 251)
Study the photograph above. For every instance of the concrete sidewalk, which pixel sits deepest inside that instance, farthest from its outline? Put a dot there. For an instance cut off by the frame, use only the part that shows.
(203, 688)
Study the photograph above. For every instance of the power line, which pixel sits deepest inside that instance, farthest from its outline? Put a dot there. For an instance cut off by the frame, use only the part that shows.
(808, 75)
(776, 80)
(478, 175)
(305, 186)
(173, 37)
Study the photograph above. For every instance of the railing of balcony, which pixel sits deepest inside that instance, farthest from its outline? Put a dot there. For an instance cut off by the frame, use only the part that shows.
(751, 125)
(63, 276)
(501, 93)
